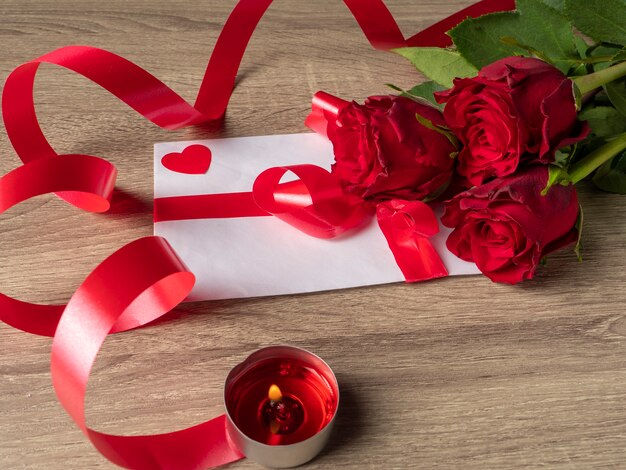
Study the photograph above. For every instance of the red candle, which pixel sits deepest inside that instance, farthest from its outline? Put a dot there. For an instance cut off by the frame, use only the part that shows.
(281, 397)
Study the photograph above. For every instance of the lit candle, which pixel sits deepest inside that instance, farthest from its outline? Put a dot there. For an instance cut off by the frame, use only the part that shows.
(281, 414)
(280, 406)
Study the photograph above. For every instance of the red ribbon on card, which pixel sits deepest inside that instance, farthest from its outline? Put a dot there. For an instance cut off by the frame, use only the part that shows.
(145, 278)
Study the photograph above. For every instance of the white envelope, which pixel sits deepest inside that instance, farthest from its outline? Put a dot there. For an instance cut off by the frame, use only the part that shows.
(259, 256)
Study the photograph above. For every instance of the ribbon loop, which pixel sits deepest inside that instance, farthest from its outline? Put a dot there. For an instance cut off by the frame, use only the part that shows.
(135, 285)
(314, 204)
(408, 226)
(86, 181)
(324, 107)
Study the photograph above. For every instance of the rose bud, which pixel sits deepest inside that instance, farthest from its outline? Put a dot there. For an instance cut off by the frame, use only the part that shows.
(382, 151)
(517, 110)
(506, 226)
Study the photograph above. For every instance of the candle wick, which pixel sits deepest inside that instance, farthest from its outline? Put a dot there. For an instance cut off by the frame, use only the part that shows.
(274, 427)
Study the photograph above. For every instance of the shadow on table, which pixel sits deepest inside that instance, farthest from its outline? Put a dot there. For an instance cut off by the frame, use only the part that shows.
(349, 425)
(126, 203)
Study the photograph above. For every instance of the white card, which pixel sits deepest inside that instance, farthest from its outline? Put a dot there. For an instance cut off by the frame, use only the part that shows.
(258, 256)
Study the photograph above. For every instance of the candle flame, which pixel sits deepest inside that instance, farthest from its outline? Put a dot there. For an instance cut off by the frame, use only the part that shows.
(274, 393)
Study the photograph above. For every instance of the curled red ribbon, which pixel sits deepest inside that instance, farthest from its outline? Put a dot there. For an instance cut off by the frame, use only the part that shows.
(145, 278)
(137, 284)
(324, 107)
(315, 204)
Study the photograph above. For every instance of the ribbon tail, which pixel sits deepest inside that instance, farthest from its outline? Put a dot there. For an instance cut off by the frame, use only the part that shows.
(418, 260)
(324, 106)
(412, 249)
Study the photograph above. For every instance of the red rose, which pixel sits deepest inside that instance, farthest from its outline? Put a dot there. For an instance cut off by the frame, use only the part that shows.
(383, 152)
(517, 110)
(506, 226)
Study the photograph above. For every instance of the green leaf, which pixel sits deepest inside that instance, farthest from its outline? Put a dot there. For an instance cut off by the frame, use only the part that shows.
(558, 5)
(611, 176)
(395, 87)
(616, 91)
(602, 20)
(621, 55)
(437, 192)
(565, 155)
(604, 55)
(479, 39)
(440, 65)
(536, 26)
(605, 121)
(556, 174)
(546, 30)
(426, 91)
(578, 96)
(530, 51)
(608, 51)
(444, 131)
(581, 46)
(561, 158)
(579, 227)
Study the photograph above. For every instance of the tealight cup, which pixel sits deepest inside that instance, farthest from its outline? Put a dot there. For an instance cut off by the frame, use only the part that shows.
(281, 404)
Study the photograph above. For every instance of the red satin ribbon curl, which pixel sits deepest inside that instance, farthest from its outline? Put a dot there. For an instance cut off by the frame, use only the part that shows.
(315, 204)
(137, 284)
(91, 192)
(324, 107)
(159, 281)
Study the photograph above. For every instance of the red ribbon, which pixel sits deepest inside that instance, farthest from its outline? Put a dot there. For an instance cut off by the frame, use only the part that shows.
(137, 284)
(145, 278)
(324, 107)
(315, 204)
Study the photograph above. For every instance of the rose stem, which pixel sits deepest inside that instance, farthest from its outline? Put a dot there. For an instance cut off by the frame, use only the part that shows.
(586, 83)
(584, 167)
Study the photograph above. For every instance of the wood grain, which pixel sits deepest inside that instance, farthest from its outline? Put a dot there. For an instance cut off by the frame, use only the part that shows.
(453, 373)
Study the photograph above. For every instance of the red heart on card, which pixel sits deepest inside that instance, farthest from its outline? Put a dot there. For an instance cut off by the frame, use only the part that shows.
(193, 160)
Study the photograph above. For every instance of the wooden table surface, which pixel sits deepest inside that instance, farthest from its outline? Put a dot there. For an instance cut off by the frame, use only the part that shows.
(453, 373)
